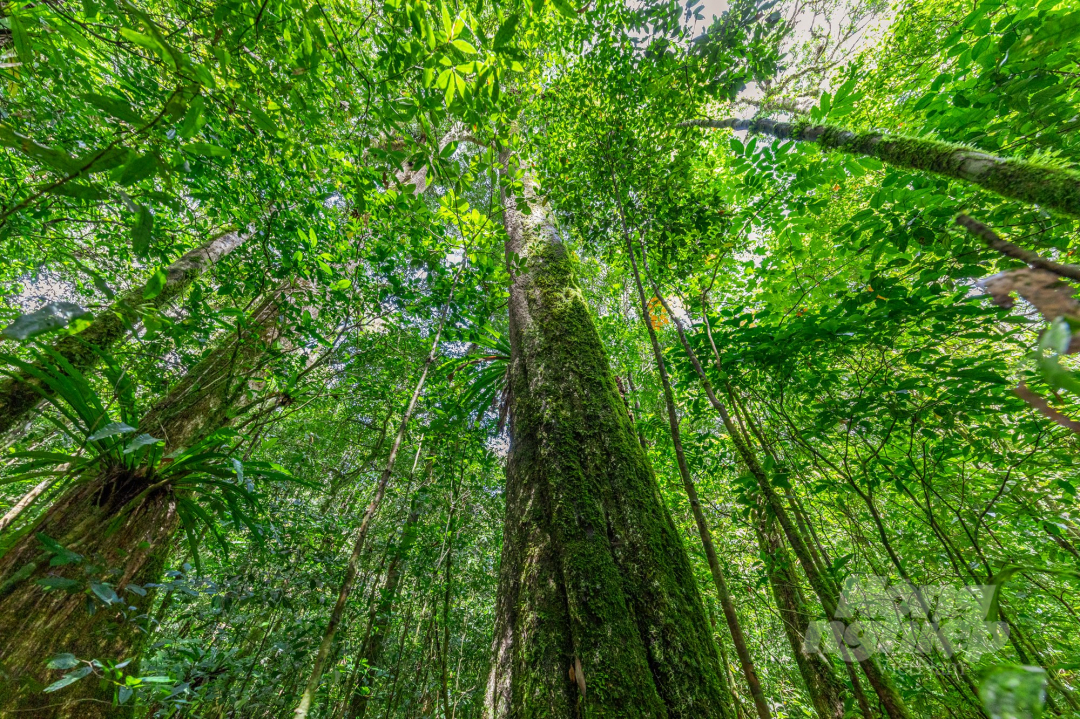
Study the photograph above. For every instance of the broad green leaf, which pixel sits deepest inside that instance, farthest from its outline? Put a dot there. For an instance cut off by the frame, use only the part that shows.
(69, 678)
(506, 32)
(141, 230)
(105, 593)
(110, 430)
(155, 284)
(204, 149)
(139, 442)
(58, 583)
(63, 661)
(116, 107)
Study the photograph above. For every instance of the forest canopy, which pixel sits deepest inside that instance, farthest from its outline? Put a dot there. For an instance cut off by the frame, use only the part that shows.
(521, 359)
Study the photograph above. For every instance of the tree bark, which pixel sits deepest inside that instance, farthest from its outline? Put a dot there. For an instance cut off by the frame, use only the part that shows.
(124, 545)
(1051, 187)
(597, 607)
(21, 394)
(824, 687)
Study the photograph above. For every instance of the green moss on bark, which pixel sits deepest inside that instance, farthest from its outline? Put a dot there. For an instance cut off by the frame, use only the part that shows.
(593, 569)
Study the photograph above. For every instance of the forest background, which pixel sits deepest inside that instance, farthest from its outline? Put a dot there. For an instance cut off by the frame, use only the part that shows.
(260, 390)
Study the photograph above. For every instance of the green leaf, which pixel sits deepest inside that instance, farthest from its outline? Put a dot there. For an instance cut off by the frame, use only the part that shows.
(54, 158)
(79, 191)
(142, 440)
(565, 8)
(21, 38)
(192, 118)
(116, 107)
(105, 593)
(155, 284)
(1013, 691)
(506, 32)
(138, 168)
(110, 430)
(48, 318)
(205, 149)
(58, 583)
(464, 46)
(67, 679)
(141, 231)
(62, 555)
(63, 661)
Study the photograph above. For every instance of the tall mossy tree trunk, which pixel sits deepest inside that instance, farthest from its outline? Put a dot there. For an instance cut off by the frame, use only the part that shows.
(597, 609)
(123, 533)
(19, 395)
(1054, 188)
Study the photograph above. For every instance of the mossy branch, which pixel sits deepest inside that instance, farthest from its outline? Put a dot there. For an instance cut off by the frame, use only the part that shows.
(1053, 188)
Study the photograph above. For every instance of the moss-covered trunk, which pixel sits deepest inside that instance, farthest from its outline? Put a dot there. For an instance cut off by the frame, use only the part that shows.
(597, 608)
(1054, 188)
(121, 545)
(19, 395)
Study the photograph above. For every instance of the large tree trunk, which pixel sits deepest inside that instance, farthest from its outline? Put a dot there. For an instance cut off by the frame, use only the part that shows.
(1054, 188)
(597, 607)
(121, 545)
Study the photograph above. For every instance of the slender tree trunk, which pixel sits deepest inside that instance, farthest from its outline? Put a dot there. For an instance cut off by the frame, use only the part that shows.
(828, 595)
(738, 639)
(447, 577)
(25, 502)
(21, 394)
(338, 611)
(824, 687)
(1052, 187)
(125, 545)
(372, 648)
(594, 583)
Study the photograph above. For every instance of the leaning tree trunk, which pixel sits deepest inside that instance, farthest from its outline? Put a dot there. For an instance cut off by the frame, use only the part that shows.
(738, 638)
(597, 608)
(19, 395)
(1054, 188)
(122, 547)
(826, 591)
(822, 684)
(372, 649)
